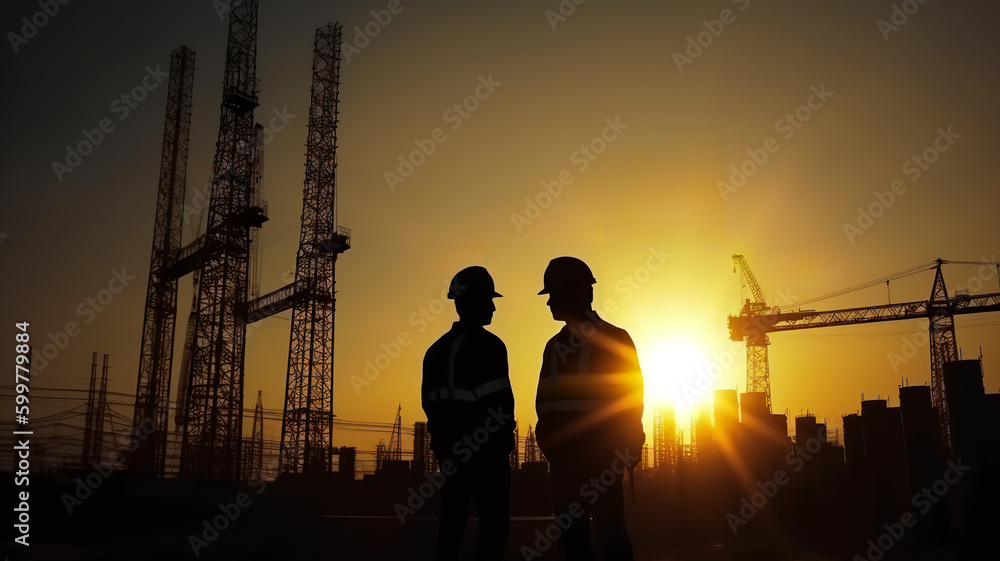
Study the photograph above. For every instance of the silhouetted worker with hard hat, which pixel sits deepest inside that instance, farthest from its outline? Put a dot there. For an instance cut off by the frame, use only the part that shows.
(470, 416)
(589, 406)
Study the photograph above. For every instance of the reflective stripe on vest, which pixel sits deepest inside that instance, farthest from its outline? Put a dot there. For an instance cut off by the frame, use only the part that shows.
(491, 387)
(452, 355)
(582, 374)
(582, 381)
(456, 394)
(570, 405)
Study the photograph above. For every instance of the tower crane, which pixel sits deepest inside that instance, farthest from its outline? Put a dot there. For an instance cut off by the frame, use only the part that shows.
(160, 314)
(758, 376)
(395, 451)
(939, 309)
(224, 260)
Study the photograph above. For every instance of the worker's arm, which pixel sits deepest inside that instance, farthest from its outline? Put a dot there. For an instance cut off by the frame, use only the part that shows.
(496, 395)
(428, 383)
(634, 435)
(541, 426)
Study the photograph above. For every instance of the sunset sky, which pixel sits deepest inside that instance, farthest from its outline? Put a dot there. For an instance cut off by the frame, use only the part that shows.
(644, 125)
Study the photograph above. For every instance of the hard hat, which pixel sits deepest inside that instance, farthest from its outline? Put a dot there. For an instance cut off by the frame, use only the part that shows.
(566, 272)
(472, 281)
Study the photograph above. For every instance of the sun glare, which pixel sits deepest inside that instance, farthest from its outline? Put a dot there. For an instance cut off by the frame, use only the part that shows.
(667, 367)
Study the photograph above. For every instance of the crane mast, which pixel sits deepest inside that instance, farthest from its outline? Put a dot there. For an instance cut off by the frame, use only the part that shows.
(156, 355)
(307, 424)
(212, 441)
(758, 375)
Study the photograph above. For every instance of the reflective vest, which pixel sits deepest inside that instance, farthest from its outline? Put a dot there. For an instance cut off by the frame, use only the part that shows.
(590, 388)
(465, 376)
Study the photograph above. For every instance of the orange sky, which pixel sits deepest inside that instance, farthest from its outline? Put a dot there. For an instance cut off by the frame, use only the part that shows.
(653, 190)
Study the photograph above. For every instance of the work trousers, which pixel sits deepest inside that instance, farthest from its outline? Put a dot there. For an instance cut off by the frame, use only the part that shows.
(600, 499)
(486, 480)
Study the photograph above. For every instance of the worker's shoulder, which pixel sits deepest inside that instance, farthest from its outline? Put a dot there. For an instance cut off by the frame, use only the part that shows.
(440, 346)
(479, 338)
(616, 333)
(488, 339)
(557, 337)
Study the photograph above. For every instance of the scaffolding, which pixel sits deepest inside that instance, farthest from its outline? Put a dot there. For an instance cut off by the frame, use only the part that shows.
(665, 440)
(531, 451)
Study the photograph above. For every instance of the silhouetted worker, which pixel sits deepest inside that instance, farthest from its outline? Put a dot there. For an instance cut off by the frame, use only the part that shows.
(470, 417)
(589, 406)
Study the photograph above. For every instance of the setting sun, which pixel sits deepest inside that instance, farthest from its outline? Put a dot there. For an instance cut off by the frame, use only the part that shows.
(667, 366)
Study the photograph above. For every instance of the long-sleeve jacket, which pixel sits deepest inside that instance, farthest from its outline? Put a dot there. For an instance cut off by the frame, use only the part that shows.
(589, 398)
(466, 392)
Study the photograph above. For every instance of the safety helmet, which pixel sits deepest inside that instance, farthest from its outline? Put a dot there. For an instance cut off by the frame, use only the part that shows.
(472, 281)
(566, 272)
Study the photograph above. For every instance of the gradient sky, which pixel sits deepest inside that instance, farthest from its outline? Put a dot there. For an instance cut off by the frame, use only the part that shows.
(654, 188)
